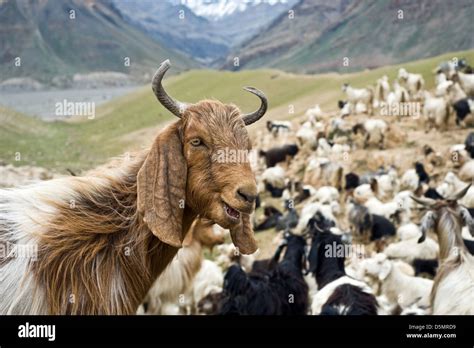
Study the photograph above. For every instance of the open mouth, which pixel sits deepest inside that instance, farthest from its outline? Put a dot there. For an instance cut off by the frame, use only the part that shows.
(231, 212)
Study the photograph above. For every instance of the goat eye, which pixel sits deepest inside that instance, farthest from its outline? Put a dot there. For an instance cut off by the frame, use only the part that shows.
(196, 142)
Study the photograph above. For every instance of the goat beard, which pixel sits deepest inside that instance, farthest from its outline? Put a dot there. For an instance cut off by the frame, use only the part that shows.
(242, 236)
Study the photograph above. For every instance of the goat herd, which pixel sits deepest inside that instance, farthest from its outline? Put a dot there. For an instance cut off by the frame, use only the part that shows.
(347, 243)
(338, 238)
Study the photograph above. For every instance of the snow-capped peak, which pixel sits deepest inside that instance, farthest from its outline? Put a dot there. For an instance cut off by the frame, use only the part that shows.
(217, 9)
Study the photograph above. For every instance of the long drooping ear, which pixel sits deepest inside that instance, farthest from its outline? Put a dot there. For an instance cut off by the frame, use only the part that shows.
(428, 222)
(467, 219)
(161, 187)
(242, 236)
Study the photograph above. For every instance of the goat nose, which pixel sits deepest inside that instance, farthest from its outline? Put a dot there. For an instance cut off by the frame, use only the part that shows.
(248, 194)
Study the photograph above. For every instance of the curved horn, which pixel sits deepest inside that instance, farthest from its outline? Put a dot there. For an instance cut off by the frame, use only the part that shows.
(459, 194)
(256, 115)
(427, 202)
(176, 107)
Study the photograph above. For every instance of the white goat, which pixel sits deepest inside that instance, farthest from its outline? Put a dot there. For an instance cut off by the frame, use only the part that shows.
(435, 111)
(466, 81)
(208, 280)
(409, 249)
(442, 85)
(374, 131)
(413, 82)
(363, 95)
(307, 136)
(314, 114)
(382, 90)
(467, 171)
(397, 285)
(167, 295)
(410, 180)
(452, 183)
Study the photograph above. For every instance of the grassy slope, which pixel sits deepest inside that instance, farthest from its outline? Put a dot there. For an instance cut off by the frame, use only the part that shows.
(132, 120)
(51, 44)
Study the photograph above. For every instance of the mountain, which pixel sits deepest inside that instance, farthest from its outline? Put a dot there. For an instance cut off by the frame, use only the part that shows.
(52, 41)
(202, 29)
(285, 34)
(370, 33)
(218, 9)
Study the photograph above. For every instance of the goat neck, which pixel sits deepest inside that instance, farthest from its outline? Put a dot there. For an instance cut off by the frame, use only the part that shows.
(448, 229)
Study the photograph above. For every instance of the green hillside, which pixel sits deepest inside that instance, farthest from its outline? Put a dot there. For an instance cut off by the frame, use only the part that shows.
(130, 121)
(50, 42)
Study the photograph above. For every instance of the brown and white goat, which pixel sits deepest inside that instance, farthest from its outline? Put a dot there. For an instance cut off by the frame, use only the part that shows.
(99, 242)
(453, 288)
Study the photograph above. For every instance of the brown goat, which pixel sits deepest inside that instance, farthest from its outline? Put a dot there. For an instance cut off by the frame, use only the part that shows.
(453, 287)
(103, 239)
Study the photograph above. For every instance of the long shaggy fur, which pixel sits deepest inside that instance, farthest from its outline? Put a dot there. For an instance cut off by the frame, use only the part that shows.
(94, 254)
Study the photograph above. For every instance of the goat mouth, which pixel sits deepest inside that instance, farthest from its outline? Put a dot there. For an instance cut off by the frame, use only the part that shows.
(232, 213)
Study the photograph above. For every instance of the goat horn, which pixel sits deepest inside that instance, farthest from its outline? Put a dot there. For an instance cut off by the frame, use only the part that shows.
(176, 107)
(256, 115)
(459, 194)
(428, 202)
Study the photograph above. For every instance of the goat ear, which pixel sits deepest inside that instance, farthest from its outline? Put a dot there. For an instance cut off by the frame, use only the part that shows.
(242, 236)
(161, 187)
(427, 223)
(467, 219)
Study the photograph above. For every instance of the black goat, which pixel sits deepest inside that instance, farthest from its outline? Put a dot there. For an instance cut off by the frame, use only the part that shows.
(423, 177)
(423, 266)
(278, 154)
(272, 215)
(462, 108)
(274, 127)
(266, 265)
(375, 226)
(289, 220)
(341, 103)
(469, 144)
(319, 223)
(346, 299)
(381, 227)
(281, 290)
(302, 193)
(352, 181)
(469, 245)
